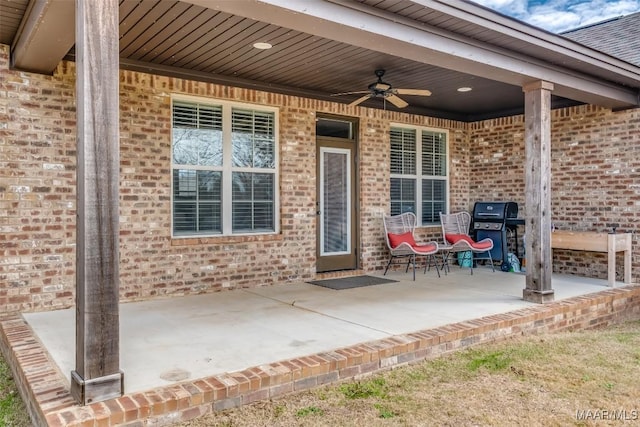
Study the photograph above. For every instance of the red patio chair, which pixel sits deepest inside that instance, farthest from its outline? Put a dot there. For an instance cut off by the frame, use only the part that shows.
(455, 232)
(398, 233)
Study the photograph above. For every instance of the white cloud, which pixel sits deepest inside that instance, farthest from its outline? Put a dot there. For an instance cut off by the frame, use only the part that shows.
(561, 15)
(515, 8)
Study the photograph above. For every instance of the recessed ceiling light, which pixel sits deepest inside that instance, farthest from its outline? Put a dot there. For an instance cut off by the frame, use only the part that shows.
(262, 45)
(465, 89)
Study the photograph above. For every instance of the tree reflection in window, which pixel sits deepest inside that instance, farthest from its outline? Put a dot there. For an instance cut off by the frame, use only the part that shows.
(197, 134)
(253, 140)
(200, 175)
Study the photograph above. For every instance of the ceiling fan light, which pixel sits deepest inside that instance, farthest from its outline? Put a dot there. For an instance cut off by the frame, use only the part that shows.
(381, 86)
(465, 89)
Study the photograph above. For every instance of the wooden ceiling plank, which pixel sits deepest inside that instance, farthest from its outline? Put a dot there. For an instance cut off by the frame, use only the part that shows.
(349, 23)
(226, 43)
(278, 65)
(226, 29)
(299, 59)
(248, 55)
(314, 77)
(196, 34)
(14, 6)
(125, 8)
(399, 74)
(283, 58)
(131, 13)
(163, 42)
(348, 55)
(353, 70)
(144, 43)
(8, 27)
(293, 57)
(281, 51)
(11, 14)
(349, 67)
(146, 18)
(241, 50)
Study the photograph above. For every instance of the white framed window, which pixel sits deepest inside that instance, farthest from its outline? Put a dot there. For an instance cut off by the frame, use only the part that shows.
(419, 172)
(224, 168)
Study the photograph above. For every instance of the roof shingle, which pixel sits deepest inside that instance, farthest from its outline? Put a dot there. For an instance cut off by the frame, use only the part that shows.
(618, 37)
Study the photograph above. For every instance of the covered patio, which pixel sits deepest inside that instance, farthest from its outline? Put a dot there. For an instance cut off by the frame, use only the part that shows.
(190, 355)
(96, 232)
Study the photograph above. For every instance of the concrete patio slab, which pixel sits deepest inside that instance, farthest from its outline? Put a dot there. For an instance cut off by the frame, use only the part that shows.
(187, 356)
(171, 340)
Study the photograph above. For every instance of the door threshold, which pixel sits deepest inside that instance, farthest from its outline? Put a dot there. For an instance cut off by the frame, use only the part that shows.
(339, 273)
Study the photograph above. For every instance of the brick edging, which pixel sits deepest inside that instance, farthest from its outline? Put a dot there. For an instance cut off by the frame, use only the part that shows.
(37, 377)
(41, 383)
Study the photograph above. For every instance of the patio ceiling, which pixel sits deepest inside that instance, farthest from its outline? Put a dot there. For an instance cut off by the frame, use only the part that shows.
(325, 47)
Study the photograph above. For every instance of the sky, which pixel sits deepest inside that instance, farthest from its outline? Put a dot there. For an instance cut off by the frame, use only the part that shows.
(561, 15)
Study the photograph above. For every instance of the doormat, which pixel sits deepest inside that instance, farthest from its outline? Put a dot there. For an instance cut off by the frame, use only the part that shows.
(351, 282)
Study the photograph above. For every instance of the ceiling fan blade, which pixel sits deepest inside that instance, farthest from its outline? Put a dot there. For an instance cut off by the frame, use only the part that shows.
(419, 92)
(398, 102)
(360, 100)
(349, 93)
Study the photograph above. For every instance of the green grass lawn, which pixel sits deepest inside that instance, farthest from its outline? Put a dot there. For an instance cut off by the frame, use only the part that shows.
(585, 378)
(12, 410)
(569, 379)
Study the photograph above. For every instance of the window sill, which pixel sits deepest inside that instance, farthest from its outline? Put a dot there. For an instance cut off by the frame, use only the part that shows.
(222, 240)
(430, 226)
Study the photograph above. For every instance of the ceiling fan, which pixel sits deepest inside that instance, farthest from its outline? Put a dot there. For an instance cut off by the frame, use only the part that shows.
(381, 89)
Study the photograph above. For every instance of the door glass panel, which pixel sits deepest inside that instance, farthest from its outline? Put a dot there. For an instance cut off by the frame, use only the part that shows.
(335, 204)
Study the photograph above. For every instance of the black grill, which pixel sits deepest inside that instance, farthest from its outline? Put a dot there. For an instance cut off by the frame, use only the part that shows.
(493, 219)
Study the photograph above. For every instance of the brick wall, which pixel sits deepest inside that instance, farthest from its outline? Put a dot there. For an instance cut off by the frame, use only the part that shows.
(37, 179)
(595, 186)
(595, 159)
(37, 195)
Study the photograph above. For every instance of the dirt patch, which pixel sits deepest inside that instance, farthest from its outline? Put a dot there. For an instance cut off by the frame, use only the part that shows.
(580, 378)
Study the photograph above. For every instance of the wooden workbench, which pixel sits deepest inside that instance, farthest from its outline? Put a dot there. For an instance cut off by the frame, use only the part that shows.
(597, 242)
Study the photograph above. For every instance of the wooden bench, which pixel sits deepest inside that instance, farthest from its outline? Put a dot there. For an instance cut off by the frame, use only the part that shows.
(597, 242)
